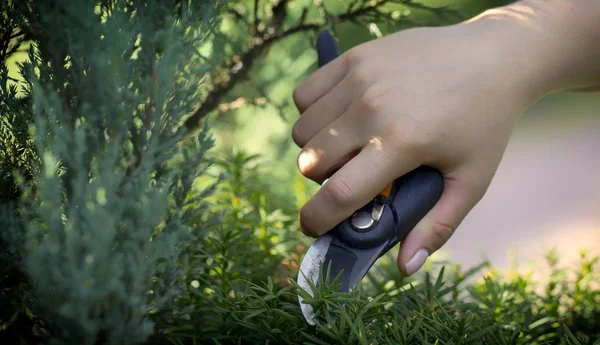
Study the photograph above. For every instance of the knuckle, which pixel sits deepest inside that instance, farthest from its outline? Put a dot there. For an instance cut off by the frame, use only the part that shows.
(338, 192)
(299, 98)
(371, 99)
(354, 56)
(415, 142)
(360, 76)
(305, 215)
(403, 137)
(442, 232)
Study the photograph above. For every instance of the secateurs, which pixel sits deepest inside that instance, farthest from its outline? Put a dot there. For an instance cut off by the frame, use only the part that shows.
(353, 246)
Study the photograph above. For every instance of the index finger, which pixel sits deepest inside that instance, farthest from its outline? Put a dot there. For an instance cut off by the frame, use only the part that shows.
(351, 187)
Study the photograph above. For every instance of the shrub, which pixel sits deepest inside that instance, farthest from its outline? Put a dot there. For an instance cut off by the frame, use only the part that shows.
(242, 289)
(105, 215)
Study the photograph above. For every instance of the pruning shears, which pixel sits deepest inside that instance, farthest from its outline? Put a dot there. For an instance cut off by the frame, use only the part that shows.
(352, 247)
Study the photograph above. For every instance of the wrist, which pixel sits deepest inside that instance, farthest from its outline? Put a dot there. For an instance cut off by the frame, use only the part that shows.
(548, 45)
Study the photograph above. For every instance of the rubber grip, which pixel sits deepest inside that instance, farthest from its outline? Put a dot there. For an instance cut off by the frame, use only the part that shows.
(327, 49)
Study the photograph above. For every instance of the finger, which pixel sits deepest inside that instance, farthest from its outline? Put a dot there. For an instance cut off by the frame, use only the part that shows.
(319, 83)
(322, 113)
(331, 148)
(436, 228)
(351, 187)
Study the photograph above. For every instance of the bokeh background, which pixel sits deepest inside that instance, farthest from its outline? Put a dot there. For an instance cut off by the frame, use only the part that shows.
(544, 196)
(546, 192)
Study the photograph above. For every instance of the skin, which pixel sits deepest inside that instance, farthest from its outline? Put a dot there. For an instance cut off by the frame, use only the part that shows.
(446, 97)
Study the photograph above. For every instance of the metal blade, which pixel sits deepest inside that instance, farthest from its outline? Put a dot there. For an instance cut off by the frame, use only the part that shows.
(309, 271)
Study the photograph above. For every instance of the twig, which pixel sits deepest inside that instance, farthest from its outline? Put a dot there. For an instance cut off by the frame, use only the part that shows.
(279, 14)
(241, 102)
(255, 17)
(361, 11)
(237, 15)
(303, 15)
(238, 69)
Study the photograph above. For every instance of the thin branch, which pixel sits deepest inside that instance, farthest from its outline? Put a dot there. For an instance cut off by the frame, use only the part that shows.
(241, 102)
(279, 14)
(255, 17)
(361, 11)
(237, 15)
(303, 16)
(239, 68)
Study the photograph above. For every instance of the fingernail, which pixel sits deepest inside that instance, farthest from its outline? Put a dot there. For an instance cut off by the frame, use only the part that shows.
(307, 159)
(417, 261)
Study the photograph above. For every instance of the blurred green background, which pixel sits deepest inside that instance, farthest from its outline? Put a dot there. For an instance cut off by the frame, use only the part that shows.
(545, 191)
(265, 129)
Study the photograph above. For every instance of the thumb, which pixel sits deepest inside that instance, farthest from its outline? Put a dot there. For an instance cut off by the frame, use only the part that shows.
(436, 228)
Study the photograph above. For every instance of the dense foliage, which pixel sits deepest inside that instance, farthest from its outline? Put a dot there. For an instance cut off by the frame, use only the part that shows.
(120, 225)
(104, 217)
(241, 289)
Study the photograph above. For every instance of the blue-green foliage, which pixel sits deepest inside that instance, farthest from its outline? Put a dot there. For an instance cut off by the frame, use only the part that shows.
(110, 213)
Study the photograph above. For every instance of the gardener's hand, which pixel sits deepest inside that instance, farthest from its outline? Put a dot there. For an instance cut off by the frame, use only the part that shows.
(443, 97)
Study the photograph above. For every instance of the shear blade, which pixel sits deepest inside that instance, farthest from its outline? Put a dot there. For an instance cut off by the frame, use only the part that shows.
(346, 265)
(309, 271)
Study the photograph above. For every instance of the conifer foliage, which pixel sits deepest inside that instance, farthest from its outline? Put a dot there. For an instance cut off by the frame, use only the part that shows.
(103, 225)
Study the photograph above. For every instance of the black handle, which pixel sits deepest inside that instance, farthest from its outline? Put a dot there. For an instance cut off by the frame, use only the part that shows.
(327, 49)
(415, 195)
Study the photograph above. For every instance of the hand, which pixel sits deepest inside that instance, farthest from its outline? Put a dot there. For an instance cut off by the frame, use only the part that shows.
(444, 97)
